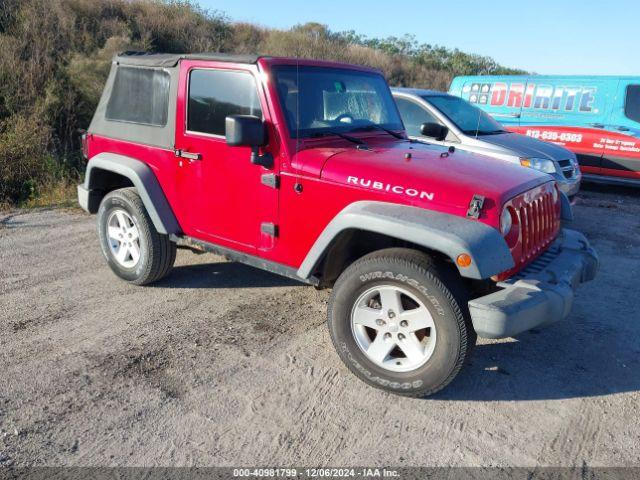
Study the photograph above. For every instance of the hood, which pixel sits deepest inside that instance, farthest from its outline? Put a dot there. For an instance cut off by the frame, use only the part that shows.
(423, 174)
(527, 147)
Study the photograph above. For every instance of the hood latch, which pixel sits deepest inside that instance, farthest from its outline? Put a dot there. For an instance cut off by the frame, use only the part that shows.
(475, 206)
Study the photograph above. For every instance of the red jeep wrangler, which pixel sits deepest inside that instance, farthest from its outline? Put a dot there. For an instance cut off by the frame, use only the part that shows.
(303, 168)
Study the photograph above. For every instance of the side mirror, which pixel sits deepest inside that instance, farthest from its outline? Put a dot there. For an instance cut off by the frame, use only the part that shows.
(248, 131)
(434, 130)
(244, 131)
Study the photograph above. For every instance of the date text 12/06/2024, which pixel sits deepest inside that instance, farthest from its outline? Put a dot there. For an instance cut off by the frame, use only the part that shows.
(372, 472)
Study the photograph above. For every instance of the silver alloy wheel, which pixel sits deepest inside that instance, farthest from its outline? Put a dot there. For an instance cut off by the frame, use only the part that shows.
(393, 328)
(124, 238)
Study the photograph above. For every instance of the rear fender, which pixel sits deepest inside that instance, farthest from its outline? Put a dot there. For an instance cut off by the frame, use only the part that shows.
(90, 193)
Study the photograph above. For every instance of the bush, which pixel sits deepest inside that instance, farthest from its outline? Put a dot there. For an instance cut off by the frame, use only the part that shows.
(25, 162)
(55, 56)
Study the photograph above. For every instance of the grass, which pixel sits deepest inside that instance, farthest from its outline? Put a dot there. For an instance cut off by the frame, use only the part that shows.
(59, 194)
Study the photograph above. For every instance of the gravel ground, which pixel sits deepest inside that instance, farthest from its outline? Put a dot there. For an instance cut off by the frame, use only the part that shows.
(222, 364)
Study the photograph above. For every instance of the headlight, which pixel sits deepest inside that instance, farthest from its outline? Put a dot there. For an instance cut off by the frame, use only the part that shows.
(542, 164)
(505, 222)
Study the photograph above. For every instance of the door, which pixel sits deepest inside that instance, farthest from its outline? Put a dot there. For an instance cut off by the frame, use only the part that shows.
(222, 198)
(570, 112)
(413, 116)
(621, 140)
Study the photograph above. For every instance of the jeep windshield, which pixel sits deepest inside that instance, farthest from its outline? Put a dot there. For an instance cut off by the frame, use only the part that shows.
(469, 119)
(320, 101)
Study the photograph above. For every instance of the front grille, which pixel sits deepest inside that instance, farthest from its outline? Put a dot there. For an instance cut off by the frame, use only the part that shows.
(538, 218)
(538, 224)
(567, 168)
(539, 264)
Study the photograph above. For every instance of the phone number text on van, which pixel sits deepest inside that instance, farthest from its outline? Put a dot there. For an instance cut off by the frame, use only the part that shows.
(554, 136)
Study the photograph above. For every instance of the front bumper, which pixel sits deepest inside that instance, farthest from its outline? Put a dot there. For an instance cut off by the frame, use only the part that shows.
(541, 294)
(569, 186)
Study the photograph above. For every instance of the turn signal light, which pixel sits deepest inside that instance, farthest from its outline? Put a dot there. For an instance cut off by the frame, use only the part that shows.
(463, 260)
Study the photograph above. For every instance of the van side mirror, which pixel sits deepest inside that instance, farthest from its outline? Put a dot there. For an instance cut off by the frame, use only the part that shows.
(434, 130)
(248, 131)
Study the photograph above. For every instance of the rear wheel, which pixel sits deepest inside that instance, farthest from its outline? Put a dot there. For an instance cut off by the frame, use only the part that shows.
(400, 322)
(132, 246)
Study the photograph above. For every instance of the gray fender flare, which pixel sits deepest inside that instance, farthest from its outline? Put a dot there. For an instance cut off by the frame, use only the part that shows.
(447, 234)
(566, 212)
(145, 182)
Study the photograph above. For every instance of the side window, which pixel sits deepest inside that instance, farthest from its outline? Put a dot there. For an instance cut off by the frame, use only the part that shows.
(214, 94)
(413, 116)
(632, 103)
(139, 95)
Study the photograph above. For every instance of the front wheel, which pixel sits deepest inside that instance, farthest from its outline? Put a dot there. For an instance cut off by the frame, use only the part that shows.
(132, 246)
(399, 321)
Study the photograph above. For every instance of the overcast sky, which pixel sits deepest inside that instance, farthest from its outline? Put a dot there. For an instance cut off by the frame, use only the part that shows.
(548, 37)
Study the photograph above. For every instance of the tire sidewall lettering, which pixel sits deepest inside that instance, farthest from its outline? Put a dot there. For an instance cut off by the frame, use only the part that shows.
(375, 378)
(399, 277)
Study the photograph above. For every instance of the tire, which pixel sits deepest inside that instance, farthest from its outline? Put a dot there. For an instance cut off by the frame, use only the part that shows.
(425, 352)
(121, 218)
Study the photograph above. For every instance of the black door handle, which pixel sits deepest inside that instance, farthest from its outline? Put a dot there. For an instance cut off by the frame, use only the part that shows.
(597, 125)
(622, 128)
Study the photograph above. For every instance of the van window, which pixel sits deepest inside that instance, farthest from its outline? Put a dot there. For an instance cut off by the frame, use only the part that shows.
(632, 103)
(139, 95)
(215, 94)
(413, 116)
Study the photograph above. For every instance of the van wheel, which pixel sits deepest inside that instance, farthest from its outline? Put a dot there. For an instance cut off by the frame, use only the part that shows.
(134, 249)
(400, 322)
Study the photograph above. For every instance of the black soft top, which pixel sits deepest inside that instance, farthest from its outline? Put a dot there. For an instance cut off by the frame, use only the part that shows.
(168, 60)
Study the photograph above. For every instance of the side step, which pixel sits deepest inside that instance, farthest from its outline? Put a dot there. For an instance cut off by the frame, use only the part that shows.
(240, 257)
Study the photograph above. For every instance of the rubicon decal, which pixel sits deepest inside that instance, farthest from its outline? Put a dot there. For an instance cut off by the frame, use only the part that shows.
(388, 187)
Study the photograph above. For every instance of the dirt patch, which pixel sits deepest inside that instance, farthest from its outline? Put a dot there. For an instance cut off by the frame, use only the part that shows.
(222, 364)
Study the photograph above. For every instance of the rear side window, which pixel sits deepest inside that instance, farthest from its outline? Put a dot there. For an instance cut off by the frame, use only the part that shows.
(413, 116)
(632, 103)
(214, 94)
(139, 95)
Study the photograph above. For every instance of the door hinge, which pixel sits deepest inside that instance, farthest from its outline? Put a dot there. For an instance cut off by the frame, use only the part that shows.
(265, 160)
(270, 180)
(475, 206)
(269, 229)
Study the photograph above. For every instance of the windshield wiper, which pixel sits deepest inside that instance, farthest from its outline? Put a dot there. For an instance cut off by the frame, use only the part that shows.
(355, 140)
(375, 126)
